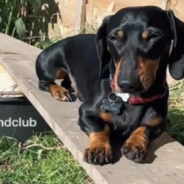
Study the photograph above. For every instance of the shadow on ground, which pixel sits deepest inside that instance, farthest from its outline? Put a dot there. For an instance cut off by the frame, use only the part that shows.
(161, 141)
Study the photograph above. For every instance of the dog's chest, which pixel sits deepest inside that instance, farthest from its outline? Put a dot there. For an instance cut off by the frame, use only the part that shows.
(128, 119)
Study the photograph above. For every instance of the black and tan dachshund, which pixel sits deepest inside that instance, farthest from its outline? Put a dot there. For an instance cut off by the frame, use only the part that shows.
(120, 75)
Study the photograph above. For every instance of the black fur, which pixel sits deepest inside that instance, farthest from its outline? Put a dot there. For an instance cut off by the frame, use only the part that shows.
(85, 57)
(76, 55)
(176, 60)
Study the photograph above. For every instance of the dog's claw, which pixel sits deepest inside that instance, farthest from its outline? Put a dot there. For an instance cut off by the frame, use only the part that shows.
(134, 152)
(98, 156)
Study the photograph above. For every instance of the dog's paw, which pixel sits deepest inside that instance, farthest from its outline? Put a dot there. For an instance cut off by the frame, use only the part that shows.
(60, 93)
(98, 155)
(63, 95)
(135, 150)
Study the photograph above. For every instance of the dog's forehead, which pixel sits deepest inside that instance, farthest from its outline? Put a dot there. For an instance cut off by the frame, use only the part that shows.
(139, 15)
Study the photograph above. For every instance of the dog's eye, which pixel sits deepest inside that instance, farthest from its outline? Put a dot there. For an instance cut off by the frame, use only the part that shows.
(154, 36)
(112, 38)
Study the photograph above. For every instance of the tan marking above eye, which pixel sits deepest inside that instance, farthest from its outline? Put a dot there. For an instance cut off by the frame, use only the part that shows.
(120, 34)
(145, 34)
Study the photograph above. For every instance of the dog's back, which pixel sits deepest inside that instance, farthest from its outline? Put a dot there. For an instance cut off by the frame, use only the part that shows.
(76, 56)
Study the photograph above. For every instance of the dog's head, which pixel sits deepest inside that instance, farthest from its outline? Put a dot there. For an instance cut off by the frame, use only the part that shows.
(141, 41)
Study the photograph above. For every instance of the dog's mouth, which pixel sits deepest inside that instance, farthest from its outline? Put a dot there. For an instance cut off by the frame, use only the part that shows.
(139, 90)
(138, 96)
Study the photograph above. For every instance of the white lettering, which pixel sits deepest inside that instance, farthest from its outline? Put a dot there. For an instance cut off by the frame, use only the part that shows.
(18, 122)
(7, 122)
(33, 122)
(15, 123)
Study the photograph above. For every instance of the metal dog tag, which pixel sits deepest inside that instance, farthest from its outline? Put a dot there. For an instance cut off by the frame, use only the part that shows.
(111, 105)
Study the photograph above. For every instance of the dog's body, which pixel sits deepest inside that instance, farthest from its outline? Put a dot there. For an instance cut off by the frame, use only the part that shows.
(134, 47)
(69, 59)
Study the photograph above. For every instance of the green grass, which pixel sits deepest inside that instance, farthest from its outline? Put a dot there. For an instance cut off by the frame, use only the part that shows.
(176, 125)
(41, 160)
(176, 111)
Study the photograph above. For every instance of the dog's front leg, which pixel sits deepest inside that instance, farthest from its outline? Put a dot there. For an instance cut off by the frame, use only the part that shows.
(98, 150)
(135, 147)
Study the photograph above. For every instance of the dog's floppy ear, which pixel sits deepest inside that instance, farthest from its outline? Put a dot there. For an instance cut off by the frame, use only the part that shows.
(176, 58)
(101, 44)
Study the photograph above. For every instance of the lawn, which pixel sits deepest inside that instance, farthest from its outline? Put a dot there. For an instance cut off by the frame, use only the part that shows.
(176, 125)
(176, 111)
(41, 160)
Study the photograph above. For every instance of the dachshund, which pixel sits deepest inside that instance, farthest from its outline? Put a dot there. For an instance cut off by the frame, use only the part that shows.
(119, 74)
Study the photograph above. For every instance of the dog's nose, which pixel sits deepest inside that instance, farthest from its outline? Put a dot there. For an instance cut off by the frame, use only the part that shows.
(126, 86)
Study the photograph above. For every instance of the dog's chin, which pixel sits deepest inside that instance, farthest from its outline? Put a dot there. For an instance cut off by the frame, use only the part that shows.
(137, 92)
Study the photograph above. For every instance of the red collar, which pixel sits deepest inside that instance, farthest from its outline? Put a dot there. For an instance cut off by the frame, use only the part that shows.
(139, 100)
